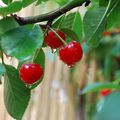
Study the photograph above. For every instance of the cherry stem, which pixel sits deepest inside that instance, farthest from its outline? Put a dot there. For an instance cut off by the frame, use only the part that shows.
(35, 55)
(65, 43)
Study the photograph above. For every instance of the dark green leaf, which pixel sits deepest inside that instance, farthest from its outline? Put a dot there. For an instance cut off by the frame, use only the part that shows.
(114, 17)
(7, 24)
(62, 2)
(25, 3)
(94, 25)
(16, 95)
(21, 42)
(95, 4)
(58, 21)
(40, 1)
(73, 23)
(103, 2)
(95, 22)
(70, 34)
(7, 1)
(11, 8)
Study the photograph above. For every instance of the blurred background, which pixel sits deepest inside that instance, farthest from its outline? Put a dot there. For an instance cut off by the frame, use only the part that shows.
(59, 96)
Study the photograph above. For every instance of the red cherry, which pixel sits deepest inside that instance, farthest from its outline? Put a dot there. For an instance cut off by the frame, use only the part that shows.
(53, 41)
(71, 53)
(106, 33)
(30, 73)
(105, 92)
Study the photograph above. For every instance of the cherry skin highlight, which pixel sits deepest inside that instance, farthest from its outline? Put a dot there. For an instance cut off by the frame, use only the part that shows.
(30, 73)
(71, 53)
(105, 92)
(52, 40)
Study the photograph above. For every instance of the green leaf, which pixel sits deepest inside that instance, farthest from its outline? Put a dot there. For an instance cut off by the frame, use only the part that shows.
(103, 2)
(7, 1)
(39, 59)
(94, 25)
(110, 107)
(117, 80)
(58, 21)
(95, 4)
(2, 69)
(40, 1)
(99, 86)
(21, 42)
(25, 3)
(73, 23)
(95, 22)
(16, 95)
(117, 76)
(114, 17)
(62, 2)
(11, 8)
(7, 24)
(70, 34)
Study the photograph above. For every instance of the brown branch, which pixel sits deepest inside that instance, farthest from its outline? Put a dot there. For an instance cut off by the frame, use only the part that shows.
(51, 15)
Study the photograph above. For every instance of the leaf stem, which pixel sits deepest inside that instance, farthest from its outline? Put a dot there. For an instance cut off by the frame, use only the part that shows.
(65, 43)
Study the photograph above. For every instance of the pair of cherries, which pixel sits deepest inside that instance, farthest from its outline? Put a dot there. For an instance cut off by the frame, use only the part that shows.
(70, 54)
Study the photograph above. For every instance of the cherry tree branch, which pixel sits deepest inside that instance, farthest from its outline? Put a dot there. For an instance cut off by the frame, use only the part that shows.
(51, 15)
